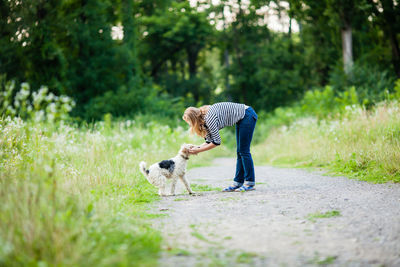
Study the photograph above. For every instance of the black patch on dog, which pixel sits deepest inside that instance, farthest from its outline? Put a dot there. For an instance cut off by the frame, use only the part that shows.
(167, 164)
(147, 171)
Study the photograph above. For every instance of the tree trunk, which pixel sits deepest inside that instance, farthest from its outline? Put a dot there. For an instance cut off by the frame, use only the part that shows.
(347, 49)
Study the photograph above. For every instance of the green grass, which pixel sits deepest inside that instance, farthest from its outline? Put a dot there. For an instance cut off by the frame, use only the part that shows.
(323, 260)
(200, 237)
(359, 144)
(229, 199)
(181, 199)
(245, 257)
(74, 196)
(178, 252)
(318, 215)
(203, 188)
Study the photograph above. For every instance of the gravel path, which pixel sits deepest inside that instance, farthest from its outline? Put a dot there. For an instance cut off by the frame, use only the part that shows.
(278, 224)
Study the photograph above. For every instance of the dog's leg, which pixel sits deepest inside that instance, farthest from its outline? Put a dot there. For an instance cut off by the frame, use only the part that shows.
(174, 180)
(162, 189)
(186, 183)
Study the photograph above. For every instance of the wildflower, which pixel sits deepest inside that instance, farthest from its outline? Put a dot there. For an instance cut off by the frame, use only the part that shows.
(52, 107)
(50, 97)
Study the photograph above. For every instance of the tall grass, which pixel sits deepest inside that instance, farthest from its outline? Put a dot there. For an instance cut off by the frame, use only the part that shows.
(74, 196)
(359, 143)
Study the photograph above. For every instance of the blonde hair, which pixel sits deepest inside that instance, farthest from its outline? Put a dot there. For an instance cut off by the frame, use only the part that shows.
(195, 117)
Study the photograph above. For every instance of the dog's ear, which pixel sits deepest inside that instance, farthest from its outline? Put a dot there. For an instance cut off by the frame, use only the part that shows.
(184, 148)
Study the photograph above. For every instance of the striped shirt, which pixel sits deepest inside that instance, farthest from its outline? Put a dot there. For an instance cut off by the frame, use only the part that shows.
(220, 115)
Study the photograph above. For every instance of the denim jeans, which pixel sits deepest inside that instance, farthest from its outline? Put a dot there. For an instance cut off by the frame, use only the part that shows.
(244, 134)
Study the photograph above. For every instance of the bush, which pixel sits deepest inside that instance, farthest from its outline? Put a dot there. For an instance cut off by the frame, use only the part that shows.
(364, 144)
(123, 103)
(371, 82)
(321, 103)
(37, 106)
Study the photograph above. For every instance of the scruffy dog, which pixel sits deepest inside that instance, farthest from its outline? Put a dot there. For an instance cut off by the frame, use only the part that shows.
(174, 168)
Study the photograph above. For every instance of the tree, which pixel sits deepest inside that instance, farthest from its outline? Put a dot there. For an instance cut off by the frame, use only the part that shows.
(170, 32)
(30, 37)
(386, 14)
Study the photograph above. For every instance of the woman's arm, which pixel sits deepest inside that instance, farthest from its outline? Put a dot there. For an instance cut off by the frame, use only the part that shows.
(202, 148)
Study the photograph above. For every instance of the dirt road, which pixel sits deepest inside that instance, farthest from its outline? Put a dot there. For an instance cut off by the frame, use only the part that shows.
(294, 218)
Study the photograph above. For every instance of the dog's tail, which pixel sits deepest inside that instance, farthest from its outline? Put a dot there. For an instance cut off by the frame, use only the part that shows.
(143, 168)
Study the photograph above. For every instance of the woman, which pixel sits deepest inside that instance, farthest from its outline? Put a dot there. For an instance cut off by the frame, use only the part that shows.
(206, 122)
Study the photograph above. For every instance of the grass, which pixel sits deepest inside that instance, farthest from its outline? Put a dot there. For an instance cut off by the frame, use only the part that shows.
(323, 260)
(360, 144)
(229, 199)
(203, 188)
(178, 252)
(198, 235)
(246, 257)
(318, 215)
(181, 199)
(74, 195)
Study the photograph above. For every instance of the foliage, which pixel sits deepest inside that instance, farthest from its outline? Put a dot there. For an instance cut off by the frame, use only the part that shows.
(37, 106)
(396, 93)
(173, 36)
(258, 78)
(125, 57)
(322, 103)
(372, 83)
(70, 194)
(362, 144)
(73, 196)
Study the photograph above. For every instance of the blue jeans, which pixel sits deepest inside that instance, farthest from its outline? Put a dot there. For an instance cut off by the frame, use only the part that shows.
(244, 134)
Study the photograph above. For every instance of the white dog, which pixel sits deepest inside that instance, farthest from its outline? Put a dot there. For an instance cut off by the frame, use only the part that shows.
(174, 168)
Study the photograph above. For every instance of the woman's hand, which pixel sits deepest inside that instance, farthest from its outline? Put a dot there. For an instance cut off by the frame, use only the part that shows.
(194, 150)
(204, 147)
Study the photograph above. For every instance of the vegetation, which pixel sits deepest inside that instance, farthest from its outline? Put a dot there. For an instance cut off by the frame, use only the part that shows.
(74, 195)
(89, 88)
(323, 261)
(130, 57)
(313, 216)
(349, 140)
(204, 188)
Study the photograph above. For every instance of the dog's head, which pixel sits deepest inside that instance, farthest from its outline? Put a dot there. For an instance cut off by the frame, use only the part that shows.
(184, 151)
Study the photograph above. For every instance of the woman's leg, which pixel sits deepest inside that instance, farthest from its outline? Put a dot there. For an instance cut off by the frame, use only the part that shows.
(246, 130)
(239, 175)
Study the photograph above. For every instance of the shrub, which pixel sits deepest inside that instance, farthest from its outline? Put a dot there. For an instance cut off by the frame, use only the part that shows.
(363, 144)
(321, 103)
(371, 82)
(38, 106)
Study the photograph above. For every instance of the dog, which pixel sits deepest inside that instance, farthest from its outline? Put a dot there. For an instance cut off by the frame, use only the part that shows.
(174, 168)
